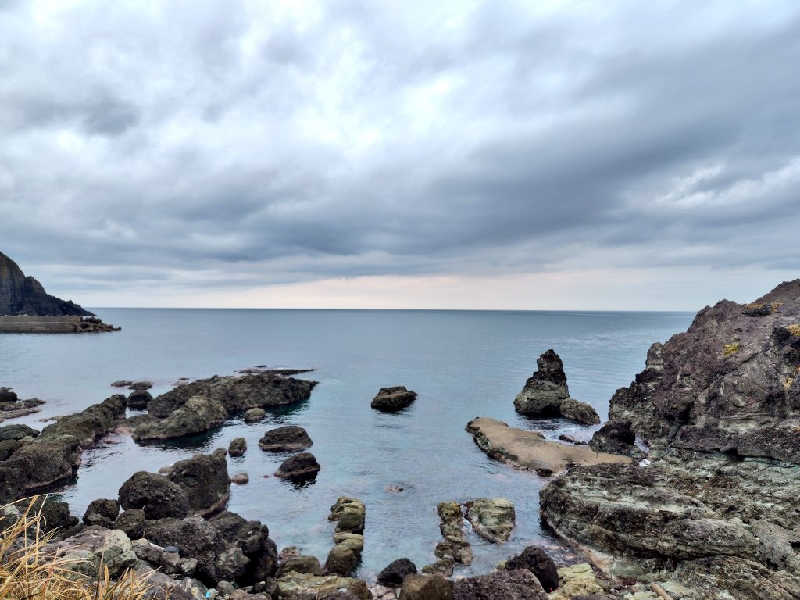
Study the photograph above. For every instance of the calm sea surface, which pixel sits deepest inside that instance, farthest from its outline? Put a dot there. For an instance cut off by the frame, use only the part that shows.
(462, 364)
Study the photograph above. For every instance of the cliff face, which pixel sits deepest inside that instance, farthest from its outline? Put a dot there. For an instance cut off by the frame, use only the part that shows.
(21, 295)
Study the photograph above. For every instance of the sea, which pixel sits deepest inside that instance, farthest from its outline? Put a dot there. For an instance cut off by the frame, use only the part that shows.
(462, 364)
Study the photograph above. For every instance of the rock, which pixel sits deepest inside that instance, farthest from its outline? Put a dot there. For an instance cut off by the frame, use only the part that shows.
(55, 514)
(393, 399)
(354, 541)
(341, 560)
(132, 522)
(197, 415)
(254, 415)
(454, 547)
(300, 564)
(546, 394)
(394, 573)
(300, 467)
(139, 399)
(237, 393)
(616, 437)
(204, 479)
(499, 585)
(8, 447)
(156, 495)
(576, 581)
(17, 431)
(305, 586)
(7, 395)
(166, 559)
(252, 537)
(492, 518)
(240, 478)
(237, 447)
(536, 560)
(95, 544)
(350, 515)
(530, 450)
(102, 512)
(38, 466)
(140, 386)
(285, 439)
(90, 424)
(426, 587)
(121, 383)
(195, 538)
(21, 295)
(565, 437)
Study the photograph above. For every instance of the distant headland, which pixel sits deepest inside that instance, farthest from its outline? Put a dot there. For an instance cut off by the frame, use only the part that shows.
(25, 306)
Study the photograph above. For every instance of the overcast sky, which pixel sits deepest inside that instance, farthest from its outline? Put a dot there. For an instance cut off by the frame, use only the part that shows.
(626, 155)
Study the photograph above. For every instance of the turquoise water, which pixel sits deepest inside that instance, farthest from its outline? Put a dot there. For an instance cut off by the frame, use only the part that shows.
(462, 364)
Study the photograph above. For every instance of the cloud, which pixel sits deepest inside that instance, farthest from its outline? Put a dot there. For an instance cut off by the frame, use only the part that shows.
(214, 146)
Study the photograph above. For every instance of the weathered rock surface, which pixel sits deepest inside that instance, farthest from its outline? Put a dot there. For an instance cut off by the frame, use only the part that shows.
(300, 564)
(300, 467)
(350, 515)
(426, 587)
(204, 479)
(236, 393)
(530, 450)
(156, 495)
(616, 437)
(393, 574)
(102, 512)
(19, 408)
(237, 447)
(342, 560)
(536, 560)
(499, 585)
(21, 295)
(305, 586)
(714, 513)
(546, 394)
(454, 548)
(393, 399)
(197, 415)
(492, 518)
(289, 438)
(139, 399)
(17, 431)
(96, 544)
(132, 522)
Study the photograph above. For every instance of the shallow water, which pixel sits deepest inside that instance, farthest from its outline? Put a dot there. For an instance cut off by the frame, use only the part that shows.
(461, 363)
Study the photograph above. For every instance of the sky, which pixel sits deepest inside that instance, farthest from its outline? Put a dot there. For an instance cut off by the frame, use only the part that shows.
(499, 155)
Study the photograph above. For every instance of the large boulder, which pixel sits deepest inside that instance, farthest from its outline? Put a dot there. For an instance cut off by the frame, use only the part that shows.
(289, 438)
(7, 395)
(204, 479)
(102, 512)
(393, 399)
(546, 394)
(500, 585)
(197, 415)
(156, 495)
(300, 467)
(393, 574)
(536, 560)
(94, 546)
(342, 560)
(252, 538)
(194, 537)
(236, 393)
(39, 465)
(426, 587)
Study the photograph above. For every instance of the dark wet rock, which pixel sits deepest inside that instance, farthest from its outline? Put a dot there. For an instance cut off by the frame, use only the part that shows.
(17, 431)
(254, 415)
(55, 514)
(393, 399)
(394, 573)
(616, 437)
(204, 479)
(102, 512)
(289, 438)
(121, 383)
(350, 515)
(300, 564)
(237, 447)
(500, 585)
(7, 395)
(299, 467)
(140, 386)
(132, 522)
(571, 439)
(139, 399)
(195, 538)
(21, 295)
(341, 560)
(536, 560)
(546, 394)
(39, 466)
(197, 415)
(236, 393)
(426, 587)
(454, 547)
(155, 494)
(252, 538)
(492, 518)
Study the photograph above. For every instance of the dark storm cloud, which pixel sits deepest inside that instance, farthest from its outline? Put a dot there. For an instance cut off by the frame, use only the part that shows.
(207, 144)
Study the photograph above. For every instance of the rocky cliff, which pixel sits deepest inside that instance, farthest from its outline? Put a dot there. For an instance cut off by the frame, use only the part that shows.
(21, 295)
(712, 513)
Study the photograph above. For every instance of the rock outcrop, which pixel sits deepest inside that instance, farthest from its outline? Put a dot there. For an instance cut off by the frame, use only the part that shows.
(21, 295)
(289, 438)
(530, 450)
(546, 394)
(492, 518)
(714, 513)
(393, 399)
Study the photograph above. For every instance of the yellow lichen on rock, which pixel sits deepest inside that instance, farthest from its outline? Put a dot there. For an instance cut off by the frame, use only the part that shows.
(576, 580)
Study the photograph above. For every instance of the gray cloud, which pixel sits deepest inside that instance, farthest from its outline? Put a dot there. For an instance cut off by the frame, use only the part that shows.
(201, 143)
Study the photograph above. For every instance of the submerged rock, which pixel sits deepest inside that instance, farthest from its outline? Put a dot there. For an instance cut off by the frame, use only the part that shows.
(300, 467)
(546, 394)
(393, 399)
(530, 450)
(289, 438)
(492, 518)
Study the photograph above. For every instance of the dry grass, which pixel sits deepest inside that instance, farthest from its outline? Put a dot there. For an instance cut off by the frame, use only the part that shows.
(794, 329)
(28, 572)
(729, 349)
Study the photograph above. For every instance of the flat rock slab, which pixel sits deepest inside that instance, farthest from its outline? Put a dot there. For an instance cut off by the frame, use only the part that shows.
(530, 450)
